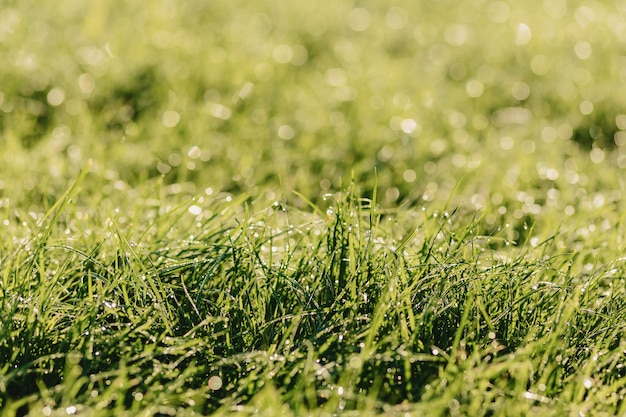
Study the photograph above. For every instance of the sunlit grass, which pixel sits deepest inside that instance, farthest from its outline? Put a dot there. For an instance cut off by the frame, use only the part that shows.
(318, 209)
(309, 312)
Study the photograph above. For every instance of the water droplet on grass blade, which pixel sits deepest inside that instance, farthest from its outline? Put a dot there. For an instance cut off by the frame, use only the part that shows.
(195, 210)
(589, 382)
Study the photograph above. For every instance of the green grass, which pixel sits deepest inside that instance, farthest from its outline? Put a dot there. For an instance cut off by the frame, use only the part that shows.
(319, 209)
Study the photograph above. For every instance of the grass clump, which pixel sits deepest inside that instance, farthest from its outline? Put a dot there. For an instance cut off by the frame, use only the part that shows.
(304, 312)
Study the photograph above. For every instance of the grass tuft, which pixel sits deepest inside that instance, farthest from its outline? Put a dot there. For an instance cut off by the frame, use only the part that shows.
(318, 312)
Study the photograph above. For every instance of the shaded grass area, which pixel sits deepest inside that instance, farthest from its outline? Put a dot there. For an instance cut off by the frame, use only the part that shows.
(297, 311)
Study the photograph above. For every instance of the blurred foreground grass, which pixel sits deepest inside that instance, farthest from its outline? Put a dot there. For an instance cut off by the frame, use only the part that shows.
(446, 184)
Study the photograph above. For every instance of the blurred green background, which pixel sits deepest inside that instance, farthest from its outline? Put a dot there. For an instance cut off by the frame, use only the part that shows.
(520, 103)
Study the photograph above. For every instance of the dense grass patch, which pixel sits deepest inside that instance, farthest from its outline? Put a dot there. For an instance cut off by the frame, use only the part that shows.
(215, 305)
(321, 209)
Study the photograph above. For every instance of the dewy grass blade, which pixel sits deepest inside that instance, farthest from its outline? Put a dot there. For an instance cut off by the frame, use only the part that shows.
(52, 215)
(49, 220)
(208, 275)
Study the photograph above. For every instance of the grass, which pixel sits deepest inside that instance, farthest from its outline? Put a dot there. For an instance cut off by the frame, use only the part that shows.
(332, 209)
(299, 311)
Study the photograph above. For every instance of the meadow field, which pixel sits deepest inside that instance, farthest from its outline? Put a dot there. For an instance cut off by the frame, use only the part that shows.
(331, 208)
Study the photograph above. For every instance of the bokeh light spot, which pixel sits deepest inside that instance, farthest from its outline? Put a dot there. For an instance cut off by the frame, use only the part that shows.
(523, 34)
(540, 64)
(456, 35)
(586, 107)
(549, 134)
(474, 88)
(170, 118)
(620, 121)
(585, 15)
(315, 25)
(506, 143)
(336, 77)
(220, 111)
(174, 159)
(409, 175)
(556, 9)
(498, 11)
(359, 19)
(529, 146)
(282, 54)
(596, 155)
(55, 96)
(520, 91)
(286, 132)
(583, 49)
(409, 126)
(163, 168)
(194, 152)
(215, 383)
(86, 83)
(392, 194)
(396, 18)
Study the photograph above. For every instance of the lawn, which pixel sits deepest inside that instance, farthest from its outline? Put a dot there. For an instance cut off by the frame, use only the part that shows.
(329, 208)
